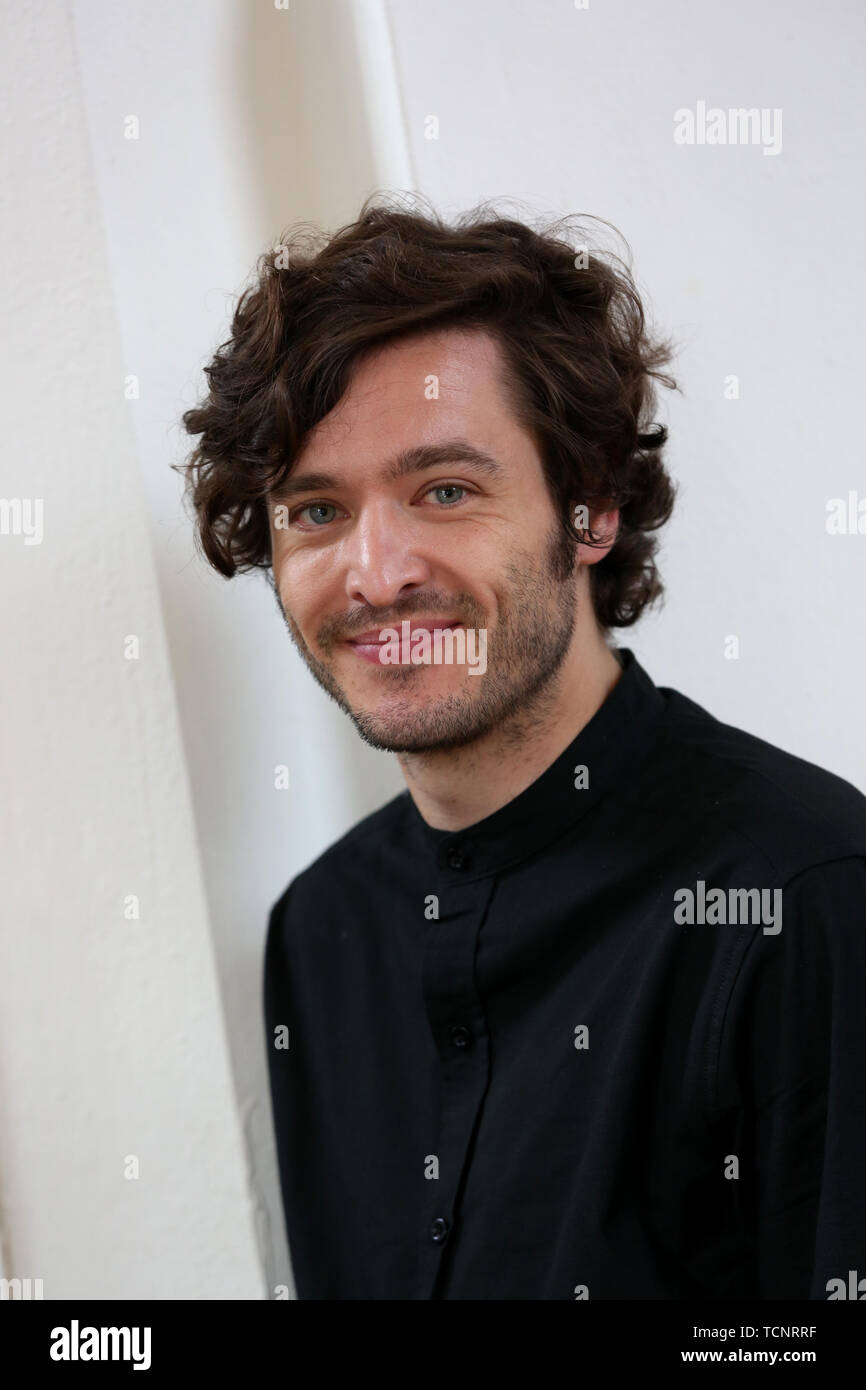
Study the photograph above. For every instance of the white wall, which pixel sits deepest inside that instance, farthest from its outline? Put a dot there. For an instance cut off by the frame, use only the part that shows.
(252, 118)
(112, 1042)
(754, 263)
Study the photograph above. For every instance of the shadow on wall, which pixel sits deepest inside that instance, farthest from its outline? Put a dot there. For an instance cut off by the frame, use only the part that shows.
(302, 100)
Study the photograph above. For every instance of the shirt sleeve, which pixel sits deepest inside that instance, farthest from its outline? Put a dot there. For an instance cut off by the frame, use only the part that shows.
(278, 1015)
(796, 1043)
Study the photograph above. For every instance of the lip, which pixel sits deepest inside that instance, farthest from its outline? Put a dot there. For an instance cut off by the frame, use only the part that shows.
(372, 638)
(367, 645)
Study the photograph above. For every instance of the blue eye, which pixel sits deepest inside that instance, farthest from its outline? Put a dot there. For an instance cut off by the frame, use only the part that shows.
(449, 487)
(318, 507)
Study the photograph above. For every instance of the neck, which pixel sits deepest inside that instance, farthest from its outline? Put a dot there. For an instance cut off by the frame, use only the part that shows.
(453, 788)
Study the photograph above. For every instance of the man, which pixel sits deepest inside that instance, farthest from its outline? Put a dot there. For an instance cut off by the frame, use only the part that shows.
(578, 1014)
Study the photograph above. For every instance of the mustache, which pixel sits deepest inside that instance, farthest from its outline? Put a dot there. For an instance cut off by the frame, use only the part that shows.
(337, 629)
(364, 620)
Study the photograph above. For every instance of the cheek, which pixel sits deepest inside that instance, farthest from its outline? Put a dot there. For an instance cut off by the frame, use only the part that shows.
(304, 584)
(284, 581)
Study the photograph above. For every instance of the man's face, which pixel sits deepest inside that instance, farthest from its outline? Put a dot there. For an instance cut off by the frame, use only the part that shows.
(453, 540)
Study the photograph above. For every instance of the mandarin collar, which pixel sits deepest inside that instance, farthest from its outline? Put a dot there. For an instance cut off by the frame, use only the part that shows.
(545, 810)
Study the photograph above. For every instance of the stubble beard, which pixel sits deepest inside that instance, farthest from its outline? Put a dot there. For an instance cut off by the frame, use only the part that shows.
(524, 656)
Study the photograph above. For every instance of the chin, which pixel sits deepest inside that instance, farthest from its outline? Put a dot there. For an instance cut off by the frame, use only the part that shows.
(411, 734)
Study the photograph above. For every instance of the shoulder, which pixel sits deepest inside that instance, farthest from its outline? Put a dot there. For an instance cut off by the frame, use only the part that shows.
(795, 814)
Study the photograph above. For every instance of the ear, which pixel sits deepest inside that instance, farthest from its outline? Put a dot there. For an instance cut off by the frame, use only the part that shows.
(604, 525)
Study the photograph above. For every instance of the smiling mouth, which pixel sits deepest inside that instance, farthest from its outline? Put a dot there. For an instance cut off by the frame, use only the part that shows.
(372, 638)
(368, 646)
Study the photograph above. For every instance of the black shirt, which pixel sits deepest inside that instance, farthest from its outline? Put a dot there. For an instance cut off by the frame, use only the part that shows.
(517, 1070)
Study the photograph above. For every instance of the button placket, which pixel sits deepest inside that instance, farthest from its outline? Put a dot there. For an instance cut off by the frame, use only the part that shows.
(456, 1017)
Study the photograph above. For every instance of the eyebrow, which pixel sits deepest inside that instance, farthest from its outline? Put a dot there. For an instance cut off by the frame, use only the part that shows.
(408, 461)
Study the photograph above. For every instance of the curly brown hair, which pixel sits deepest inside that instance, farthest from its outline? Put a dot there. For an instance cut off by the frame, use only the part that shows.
(579, 366)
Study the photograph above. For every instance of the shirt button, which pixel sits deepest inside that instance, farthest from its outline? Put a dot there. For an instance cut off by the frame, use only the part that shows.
(460, 1036)
(439, 1230)
(456, 857)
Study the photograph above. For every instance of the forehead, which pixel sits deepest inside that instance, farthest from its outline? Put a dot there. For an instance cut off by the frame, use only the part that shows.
(417, 390)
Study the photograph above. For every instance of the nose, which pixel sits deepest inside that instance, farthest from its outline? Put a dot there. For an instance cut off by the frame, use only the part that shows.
(384, 560)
